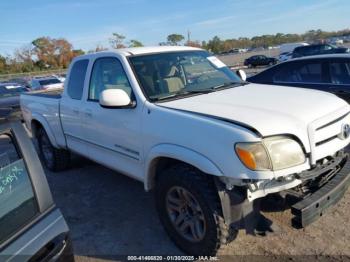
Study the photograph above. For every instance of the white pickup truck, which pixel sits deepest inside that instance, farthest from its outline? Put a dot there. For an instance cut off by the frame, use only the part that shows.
(209, 144)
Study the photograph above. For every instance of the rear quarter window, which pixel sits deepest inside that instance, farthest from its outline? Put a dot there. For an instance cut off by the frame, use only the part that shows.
(76, 79)
(340, 72)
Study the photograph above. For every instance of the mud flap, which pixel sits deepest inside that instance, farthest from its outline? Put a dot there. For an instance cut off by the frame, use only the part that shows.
(240, 213)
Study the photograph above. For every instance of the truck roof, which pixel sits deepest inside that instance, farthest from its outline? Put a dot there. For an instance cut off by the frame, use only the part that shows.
(324, 56)
(148, 50)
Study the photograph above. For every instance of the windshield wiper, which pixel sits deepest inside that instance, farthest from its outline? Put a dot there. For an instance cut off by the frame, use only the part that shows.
(200, 91)
(215, 88)
(229, 84)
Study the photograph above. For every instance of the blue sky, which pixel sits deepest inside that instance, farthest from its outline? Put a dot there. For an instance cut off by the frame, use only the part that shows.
(87, 23)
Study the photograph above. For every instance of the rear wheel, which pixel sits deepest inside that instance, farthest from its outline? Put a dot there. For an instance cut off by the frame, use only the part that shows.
(54, 159)
(190, 210)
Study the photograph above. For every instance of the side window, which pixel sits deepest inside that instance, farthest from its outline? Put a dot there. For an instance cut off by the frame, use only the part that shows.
(340, 73)
(325, 47)
(309, 50)
(76, 79)
(310, 73)
(300, 73)
(18, 205)
(107, 73)
(286, 74)
(34, 85)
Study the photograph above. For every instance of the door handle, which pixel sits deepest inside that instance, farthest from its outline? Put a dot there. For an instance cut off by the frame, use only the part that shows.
(75, 111)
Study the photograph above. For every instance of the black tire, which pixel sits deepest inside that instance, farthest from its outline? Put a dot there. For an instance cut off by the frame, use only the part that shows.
(59, 158)
(202, 188)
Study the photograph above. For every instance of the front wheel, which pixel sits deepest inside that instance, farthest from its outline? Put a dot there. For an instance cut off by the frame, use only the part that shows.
(54, 159)
(190, 210)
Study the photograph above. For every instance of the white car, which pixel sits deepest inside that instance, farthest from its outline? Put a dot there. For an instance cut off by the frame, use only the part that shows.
(207, 143)
(61, 77)
(46, 83)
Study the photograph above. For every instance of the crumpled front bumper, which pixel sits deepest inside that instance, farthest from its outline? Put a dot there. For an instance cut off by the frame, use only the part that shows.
(312, 207)
(241, 213)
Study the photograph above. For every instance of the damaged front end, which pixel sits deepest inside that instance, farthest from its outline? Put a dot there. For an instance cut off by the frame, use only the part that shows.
(309, 193)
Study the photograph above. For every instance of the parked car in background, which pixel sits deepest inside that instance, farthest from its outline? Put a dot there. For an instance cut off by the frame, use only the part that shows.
(32, 228)
(330, 73)
(25, 81)
(259, 60)
(285, 56)
(61, 77)
(9, 99)
(45, 83)
(289, 47)
(319, 49)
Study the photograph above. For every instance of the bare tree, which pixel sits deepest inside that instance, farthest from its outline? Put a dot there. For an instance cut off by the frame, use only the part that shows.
(117, 41)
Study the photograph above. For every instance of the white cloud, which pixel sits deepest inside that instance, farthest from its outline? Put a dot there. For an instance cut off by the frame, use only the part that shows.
(304, 10)
(215, 21)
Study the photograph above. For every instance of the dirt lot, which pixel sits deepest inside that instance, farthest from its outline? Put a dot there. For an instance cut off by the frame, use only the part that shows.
(110, 216)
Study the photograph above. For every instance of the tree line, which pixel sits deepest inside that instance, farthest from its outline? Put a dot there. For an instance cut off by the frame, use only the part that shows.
(46, 53)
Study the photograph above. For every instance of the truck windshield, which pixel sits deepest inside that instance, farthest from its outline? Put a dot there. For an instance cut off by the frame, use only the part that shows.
(175, 74)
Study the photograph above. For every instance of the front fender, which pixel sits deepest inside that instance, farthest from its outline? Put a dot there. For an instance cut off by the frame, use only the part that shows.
(180, 153)
(46, 126)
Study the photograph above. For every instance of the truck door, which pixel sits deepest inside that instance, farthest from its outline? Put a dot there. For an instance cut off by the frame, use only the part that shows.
(112, 134)
(71, 107)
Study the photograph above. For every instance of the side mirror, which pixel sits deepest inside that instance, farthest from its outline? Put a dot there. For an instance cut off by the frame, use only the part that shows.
(242, 74)
(114, 98)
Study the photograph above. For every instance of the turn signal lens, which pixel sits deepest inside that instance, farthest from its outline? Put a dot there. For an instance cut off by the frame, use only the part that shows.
(247, 158)
(253, 156)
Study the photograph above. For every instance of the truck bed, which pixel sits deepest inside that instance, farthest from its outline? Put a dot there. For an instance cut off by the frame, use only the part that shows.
(46, 107)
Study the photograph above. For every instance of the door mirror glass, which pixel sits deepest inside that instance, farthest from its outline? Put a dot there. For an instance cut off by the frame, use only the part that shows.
(114, 98)
(242, 74)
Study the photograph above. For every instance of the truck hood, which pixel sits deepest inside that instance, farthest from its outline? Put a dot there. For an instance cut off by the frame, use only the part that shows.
(268, 109)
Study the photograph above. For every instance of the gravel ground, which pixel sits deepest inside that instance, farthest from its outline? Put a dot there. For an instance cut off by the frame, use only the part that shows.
(110, 216)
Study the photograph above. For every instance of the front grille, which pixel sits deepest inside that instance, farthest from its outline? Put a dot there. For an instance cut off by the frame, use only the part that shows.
(332, 122)
(326, 140)
(324, 135)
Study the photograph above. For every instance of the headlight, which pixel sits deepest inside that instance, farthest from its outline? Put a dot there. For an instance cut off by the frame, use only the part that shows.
(273, 153)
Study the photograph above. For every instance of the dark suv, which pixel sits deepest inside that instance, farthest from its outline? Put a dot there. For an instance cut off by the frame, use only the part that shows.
(330, 73)
(320, 49)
